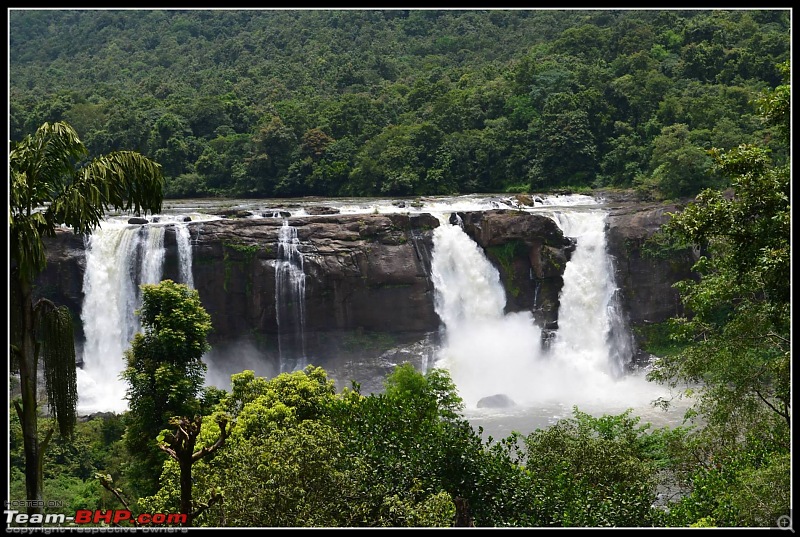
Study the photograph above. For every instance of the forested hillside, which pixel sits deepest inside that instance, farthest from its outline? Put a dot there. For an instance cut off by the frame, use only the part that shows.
(403, 102)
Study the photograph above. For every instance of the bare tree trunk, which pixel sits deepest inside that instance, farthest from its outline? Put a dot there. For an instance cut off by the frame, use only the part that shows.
(28, 415)
(180, 446)
(185, 463)
(463, 516)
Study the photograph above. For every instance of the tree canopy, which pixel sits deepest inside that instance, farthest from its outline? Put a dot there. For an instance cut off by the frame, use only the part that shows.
(737, 333)
(277, 103)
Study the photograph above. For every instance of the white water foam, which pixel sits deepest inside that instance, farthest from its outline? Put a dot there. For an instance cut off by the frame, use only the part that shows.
(488, 352)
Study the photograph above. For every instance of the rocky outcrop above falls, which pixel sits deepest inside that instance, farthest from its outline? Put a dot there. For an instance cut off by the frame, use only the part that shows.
(62, 278)
(644, 273)
(368, 276)
(363, 272)
(530, 252)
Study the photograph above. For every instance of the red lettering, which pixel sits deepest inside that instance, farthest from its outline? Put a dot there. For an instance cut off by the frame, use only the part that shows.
(121, 515)
(177, 518)
(83, 516)
(159, 518)
(104, 516)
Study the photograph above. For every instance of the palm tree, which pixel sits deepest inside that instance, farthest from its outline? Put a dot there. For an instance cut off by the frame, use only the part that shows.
(53, 184)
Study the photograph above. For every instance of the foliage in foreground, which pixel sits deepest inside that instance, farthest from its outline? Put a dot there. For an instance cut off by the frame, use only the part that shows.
(53, 183)
(302, 455)
(736, 342)
(164, 373)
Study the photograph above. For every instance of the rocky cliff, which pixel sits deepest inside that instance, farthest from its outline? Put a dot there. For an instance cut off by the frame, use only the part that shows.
(644, 274)
(367, 284)
(530, 252)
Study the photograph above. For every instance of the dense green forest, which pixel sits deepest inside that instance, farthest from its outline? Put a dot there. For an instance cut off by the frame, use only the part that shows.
(278, 103)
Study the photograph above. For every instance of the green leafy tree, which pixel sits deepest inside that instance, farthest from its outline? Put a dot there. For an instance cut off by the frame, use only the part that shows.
(774, 105)
(396, 162)
(69, 462)
(272, 148)
(164, 372)
(739, 330)
(52, 184)
(301, 455)
(562, 130)
(283, 464)
(417, 448)
(594, 471)
(680, 167)
(625, 158)
(180, 444)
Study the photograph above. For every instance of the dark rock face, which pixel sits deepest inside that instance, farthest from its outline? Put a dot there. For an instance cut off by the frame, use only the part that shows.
(62, 278)
(368, 272)
(368, 285)
(530, 252)
(646, 281)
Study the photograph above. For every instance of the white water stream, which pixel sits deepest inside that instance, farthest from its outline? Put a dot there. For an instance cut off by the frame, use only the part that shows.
(119, 258)
(486, 351)
(290, 296)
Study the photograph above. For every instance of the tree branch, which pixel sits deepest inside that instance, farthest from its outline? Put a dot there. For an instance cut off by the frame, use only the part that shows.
(203, 507)
(168, 450)
(206, 450)
(105, 481)
(778, 337)
(43, 444)
(783, 414)
(18, 409)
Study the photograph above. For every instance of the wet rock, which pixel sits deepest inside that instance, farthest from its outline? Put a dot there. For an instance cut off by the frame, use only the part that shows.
(499, 400)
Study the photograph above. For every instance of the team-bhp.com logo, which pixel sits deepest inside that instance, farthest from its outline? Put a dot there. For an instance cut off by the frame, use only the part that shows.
(97, 516)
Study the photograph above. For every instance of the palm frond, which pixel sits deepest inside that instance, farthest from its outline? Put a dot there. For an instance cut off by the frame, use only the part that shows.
(58, 359)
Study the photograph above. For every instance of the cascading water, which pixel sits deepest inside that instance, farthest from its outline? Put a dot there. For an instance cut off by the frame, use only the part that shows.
(151, 254)
(485, 350)
(119, 258)
(585, 318)
(184, 239)
(488, 352)
(290, 297)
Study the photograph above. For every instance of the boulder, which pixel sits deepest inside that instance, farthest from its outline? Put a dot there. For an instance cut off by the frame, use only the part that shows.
(317, 210)
(499, 400)
(529, 251)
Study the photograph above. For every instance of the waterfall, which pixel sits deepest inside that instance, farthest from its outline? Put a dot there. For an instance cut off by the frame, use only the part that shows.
(488, 352)
(485, 350)
(184, 239)
(290, 296)
(119, 258)
(152, 254)
(584, 340)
